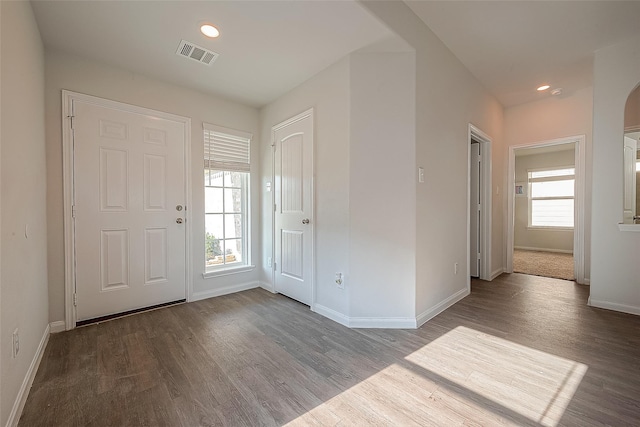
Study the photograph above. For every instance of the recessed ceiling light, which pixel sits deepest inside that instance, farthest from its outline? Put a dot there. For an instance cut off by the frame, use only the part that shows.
(543, 87)
(209, 30)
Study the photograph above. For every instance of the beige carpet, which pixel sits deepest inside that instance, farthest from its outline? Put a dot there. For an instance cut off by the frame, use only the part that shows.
(547, 264)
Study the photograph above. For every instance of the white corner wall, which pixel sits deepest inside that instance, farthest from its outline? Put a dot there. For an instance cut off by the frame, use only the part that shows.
(328, 93)
(551, 118)
(382, 185)
(615, 271)
(64, 71)
(23, 272)
(448, 98)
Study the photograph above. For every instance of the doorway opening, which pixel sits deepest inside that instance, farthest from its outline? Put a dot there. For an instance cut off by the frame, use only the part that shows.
(479, 205)
(546, 209)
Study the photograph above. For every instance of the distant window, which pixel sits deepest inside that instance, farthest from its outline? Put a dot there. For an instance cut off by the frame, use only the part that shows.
(551, 197)
(226, 188)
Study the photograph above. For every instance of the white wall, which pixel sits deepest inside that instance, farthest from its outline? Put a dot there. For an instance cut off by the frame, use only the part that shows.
(382, 185)
(64, 71)
(23, 198)
(551, 118)
(615, 270)
(448, 98)
(328, 93)
(536, 238)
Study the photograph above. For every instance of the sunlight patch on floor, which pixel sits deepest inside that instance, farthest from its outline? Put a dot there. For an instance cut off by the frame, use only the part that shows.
(463, 377)
(519, 379)
(393, 396)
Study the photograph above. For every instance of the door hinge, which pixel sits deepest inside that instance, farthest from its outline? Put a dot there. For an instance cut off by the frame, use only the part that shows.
(479, 207)
(71, 118)
(275, 265)
(75, 300)
(479, 256)
(73, 211)
(275, 207)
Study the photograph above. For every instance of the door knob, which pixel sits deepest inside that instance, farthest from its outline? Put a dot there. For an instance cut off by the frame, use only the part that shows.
(305, 221)
(179, 220)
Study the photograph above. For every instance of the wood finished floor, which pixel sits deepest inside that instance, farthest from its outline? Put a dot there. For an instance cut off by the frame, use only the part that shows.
(521, 350)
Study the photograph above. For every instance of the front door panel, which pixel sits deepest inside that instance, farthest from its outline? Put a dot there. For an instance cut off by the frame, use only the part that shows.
(128, 179)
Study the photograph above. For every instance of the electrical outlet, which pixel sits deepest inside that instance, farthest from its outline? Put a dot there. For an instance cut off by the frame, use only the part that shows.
(16, 343)
(339, 281)
(455, 268)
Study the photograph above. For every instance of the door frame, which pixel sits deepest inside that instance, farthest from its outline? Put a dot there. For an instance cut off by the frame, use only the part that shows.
(579, 201)
(274, 129)
(68, 98)
(485, 272)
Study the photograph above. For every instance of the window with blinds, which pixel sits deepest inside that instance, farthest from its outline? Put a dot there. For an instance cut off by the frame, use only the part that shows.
(226, 187)
(551, 197)
(226, 149)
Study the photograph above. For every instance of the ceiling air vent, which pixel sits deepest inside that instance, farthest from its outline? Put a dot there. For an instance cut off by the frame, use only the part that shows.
(197, 53)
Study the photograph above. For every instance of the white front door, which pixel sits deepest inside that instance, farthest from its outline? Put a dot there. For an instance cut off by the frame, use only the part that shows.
(293, 145)
(129, 182)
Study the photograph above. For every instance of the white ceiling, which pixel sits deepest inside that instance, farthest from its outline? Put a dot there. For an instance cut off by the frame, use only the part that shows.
(513, 47)
(266, 47)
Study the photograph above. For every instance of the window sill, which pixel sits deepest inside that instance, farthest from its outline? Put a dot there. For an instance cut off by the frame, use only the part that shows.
(228, 271)
(629, 227)
(534, 228)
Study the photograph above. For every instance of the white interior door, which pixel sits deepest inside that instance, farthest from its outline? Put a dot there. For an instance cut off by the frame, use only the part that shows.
(630, 150)
(129, 196)
(293, 144)
(474, 230)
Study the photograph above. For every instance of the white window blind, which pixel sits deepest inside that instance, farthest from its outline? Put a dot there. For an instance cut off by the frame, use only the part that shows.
(226, 149)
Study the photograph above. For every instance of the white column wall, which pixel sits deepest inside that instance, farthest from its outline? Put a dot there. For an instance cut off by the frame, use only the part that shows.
(382, 211)
(615, 271)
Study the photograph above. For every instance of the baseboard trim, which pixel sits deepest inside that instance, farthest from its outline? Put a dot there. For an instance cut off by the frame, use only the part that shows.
(559, 251)
(587, 281)
(197, 296)
(58, 326)
(23, 393)
(496, 273)
(382, 322)
(267, 287)
(332, 314)
(366, 322)
(432, 312)
(390, 322)
(614, 306)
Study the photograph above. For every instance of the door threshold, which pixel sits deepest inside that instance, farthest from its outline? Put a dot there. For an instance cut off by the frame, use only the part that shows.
(127, 313)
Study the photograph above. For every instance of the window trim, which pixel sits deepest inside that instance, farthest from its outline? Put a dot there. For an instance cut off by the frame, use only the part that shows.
(530, 197)
(236, 152)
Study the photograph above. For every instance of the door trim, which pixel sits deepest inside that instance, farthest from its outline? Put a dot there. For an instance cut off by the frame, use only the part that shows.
(579, 201)
(274, 129)
(485, 201)
(68, 98)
